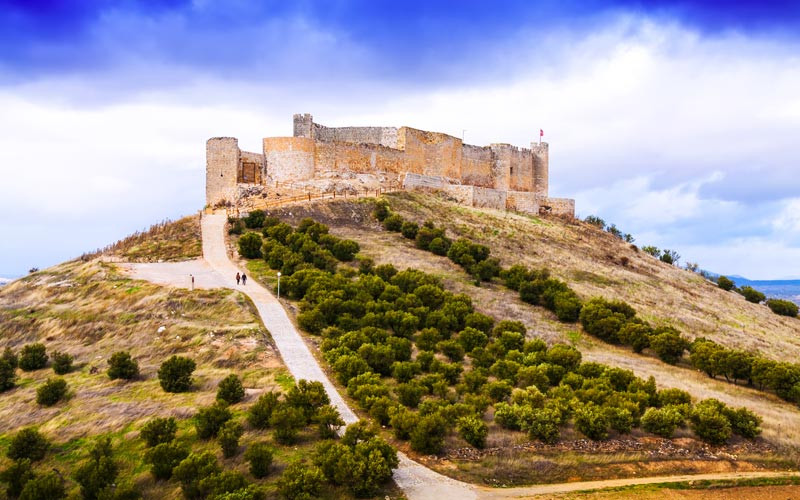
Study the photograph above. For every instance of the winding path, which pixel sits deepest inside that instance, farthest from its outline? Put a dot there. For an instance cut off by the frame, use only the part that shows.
(417, 481)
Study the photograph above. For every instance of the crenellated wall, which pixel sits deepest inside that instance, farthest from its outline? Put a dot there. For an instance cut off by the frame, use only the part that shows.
(497, 176)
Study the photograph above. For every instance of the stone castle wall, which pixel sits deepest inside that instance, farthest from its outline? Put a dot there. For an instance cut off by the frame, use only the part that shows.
(497, 176)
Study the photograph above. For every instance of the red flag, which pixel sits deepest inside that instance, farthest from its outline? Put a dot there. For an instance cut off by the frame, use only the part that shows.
(541, 133)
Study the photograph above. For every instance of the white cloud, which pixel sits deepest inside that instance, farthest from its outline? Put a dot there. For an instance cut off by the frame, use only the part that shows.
(672, 136)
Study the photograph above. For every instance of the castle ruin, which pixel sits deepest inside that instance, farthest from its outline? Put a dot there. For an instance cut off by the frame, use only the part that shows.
(349, 159)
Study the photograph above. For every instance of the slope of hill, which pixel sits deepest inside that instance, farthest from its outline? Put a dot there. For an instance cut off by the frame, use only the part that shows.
(594, 263)
(91, 310)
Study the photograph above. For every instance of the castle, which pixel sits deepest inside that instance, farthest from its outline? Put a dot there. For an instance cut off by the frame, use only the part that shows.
(498, 176)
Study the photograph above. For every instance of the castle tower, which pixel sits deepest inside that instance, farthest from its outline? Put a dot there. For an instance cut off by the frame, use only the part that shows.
(304, 125)
(541, 167)
(222, 165)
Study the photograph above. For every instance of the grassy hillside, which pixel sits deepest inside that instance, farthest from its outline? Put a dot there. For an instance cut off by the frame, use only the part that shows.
(91, 310)
(593, 263)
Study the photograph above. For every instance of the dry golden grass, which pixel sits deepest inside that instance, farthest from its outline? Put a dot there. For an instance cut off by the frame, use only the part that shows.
(166, 241)
(590, 261)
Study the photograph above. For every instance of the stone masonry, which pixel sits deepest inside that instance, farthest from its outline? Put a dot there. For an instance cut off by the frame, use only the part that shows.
(498, 176)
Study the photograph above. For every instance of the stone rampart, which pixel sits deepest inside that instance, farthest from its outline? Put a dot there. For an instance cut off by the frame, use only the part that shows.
(289, 158)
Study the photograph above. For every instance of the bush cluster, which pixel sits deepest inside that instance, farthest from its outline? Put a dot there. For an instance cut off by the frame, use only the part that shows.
(361, 450)
(616, 322)
(288, 249)
(33, 357)
(734, 365)
(62, 363)
(538, 288)
(750, 294)
(422, 361)
(783, 307)
(175, 374)
(51, 392)
(304, 404)
(122, 366)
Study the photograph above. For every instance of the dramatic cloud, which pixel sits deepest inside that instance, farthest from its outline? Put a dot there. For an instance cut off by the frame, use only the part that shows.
(664, 122)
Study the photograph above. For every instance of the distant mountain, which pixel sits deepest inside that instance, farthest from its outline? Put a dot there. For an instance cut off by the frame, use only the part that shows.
(780, 289)
(4, 281)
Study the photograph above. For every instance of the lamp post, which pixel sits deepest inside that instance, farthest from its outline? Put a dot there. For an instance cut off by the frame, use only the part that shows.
(279, 285)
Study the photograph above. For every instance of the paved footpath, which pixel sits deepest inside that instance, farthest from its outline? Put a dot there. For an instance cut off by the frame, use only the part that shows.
(417, 481)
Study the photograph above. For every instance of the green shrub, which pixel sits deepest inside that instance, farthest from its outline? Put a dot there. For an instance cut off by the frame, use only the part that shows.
(410, 393)
(345, 250)
(259, 455)
(48, 486)
(8, 375)
(452, 349)
(255, 219)
(783, 307)
(230, 389)
(709, 421)
(99, 471)
(604, 319)
(301, 481)
(428, 436)
(28, 443)
(403, 422)
(382, 210)
(159, 430)
(567, 307)
(228, 436)
(673, 396)
(51, 392)
(409, 229)
(668, 344)
(175, 374)
(725, 283)
(209, 420)
(473, 430)
(540, 423)
(592, 421)
(10, 357)
(393, 222)
(328, 421)
(164, 457)
(662, 421)
(16, 475)
(33, 357)
(260, 412)
(250, 245)
(122, 366)
(752, 295)
(439, 246)
(223, 484)
(744, 422)
(287, 421)
(62, 363)
(192, 470)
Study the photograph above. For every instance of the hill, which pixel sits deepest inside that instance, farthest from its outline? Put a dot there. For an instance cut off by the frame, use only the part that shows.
(90, 308)
(593, 263)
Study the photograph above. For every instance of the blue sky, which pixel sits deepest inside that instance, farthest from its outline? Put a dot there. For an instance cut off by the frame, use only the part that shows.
(678, 121)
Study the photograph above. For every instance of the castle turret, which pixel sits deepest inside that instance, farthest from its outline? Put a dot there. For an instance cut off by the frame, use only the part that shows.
(222, 166)
(541, 167)
(304, 125)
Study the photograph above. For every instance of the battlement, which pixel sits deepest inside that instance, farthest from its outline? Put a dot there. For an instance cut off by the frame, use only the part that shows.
(316, 152)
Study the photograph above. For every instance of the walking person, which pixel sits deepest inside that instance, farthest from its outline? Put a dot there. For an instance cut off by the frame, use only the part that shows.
(238, 277)
(244, 279)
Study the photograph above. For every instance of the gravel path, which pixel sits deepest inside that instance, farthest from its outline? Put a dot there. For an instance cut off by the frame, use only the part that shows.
(215, 270)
